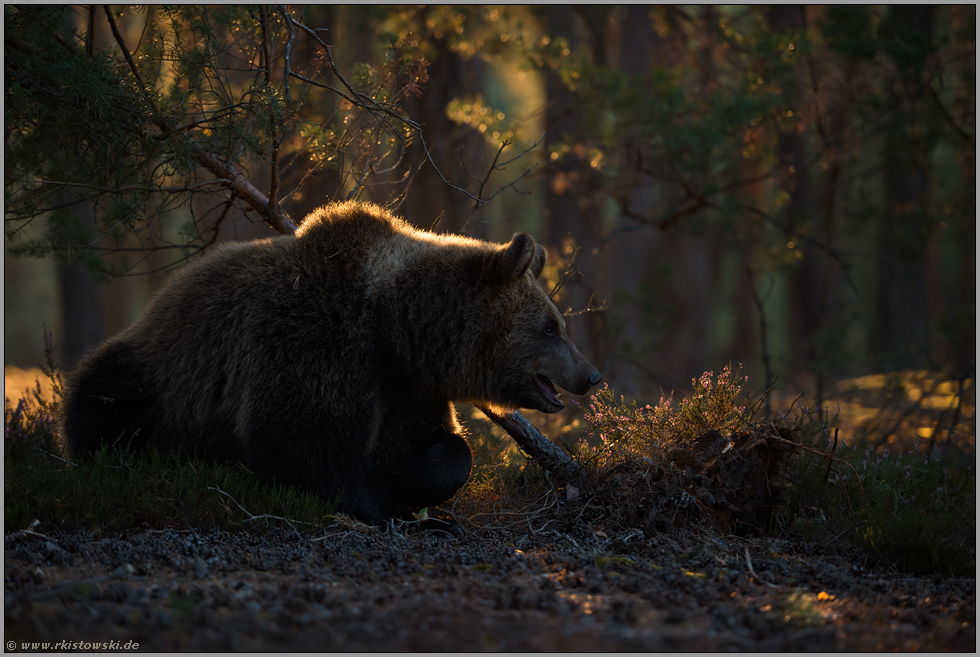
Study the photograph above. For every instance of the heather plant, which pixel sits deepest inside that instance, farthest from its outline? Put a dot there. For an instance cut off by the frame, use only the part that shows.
(28, 425)
(620, 428)
(911, 511)
(920, 513)
(32, 422)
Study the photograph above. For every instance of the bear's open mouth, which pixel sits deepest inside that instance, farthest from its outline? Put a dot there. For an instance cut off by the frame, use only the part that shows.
(548, 389)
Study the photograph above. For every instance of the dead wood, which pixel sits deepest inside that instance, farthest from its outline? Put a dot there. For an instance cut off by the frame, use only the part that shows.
(548, 455)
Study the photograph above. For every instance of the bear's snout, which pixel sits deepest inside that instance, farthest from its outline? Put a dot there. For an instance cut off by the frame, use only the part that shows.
(587, 383)
(593, 381)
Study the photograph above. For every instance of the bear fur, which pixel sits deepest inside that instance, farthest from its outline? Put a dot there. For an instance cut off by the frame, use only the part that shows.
(331, 360)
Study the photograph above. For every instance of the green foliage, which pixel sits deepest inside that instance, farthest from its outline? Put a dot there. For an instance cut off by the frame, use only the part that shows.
(850, 31)
(474, 112)
(652, 123)
(107, 135)
(67, 113)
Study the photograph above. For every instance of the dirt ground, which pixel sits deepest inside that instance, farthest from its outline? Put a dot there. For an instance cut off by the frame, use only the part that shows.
(493, 589)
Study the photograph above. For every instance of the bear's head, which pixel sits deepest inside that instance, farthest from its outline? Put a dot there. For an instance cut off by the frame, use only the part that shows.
(532, 354)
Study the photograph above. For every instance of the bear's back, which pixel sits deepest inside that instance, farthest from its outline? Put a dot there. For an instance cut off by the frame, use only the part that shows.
(362, 242)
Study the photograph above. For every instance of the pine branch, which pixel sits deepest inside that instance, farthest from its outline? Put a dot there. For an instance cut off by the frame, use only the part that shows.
(278, 218)
(273, 212)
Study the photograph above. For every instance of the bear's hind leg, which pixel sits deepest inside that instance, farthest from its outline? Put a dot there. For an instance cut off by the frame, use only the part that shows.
(432, 474)
(105, 402)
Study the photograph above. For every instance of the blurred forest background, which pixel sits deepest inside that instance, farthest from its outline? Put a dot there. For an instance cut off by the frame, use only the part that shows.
(789, 187)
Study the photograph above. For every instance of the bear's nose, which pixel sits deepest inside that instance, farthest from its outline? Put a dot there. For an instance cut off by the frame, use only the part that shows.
(594, 378)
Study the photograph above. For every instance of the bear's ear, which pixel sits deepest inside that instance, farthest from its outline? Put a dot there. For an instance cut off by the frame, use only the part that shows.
(537, 264)
(512, 261)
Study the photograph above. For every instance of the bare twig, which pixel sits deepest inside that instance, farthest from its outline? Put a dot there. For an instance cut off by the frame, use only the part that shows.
(589, 308)
(264, 516)
(125, 51)
(479, 203)
(763, 334)
(124, 188)
(29, 531)
(748, 562)
(956, 414)
(428, 156)
(55, 456)
(857, 477)
(678, 210)
(565, 274)
(845, 267)
(949, 119)
(353, 96)
(885, 435)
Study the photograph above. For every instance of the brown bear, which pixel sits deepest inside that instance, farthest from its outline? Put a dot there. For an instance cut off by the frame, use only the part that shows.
(331, 361)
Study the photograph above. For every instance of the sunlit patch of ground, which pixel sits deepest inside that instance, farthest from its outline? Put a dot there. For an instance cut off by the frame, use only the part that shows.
(17, 381)
(901, 410)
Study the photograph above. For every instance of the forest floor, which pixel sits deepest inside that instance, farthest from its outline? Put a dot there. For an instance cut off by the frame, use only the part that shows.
(583, 573)
(491, 589)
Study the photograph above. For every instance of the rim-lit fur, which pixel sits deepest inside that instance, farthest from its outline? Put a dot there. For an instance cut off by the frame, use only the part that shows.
(331, 360)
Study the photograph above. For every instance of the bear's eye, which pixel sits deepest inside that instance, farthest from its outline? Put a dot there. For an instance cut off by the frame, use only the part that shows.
(551, 329)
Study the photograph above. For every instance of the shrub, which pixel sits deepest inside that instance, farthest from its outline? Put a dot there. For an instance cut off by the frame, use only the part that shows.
(705, 460)
(623, 429)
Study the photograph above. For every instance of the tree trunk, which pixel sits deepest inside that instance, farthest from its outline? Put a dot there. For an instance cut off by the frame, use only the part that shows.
(626, 262)
(807, 281)
(570, 219)
(430, 203)
(900, 329)
(81, 305)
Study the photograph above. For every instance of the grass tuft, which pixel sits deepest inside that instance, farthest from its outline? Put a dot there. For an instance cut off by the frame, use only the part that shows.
(114, 490)
(910, 510)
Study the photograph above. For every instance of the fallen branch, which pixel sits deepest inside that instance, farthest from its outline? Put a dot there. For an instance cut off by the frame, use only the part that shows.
(264, 516)
(548, 455)
(30, 532)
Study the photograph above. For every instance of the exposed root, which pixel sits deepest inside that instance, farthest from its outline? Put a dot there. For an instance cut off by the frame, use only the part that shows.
(732, 485)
